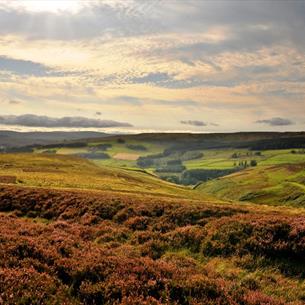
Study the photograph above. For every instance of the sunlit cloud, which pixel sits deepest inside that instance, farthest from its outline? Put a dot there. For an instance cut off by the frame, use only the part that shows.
(156, 63)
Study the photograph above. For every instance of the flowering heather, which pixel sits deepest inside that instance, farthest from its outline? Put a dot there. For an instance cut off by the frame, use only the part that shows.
(69, 247)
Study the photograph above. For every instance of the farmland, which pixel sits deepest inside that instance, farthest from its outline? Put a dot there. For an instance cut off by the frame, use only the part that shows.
(191, 159)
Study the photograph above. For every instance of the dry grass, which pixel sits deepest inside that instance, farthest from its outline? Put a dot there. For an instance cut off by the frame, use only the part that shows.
(126, 156)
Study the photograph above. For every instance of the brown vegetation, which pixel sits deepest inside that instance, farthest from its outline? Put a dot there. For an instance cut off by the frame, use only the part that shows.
(8, 179)
(73, 247)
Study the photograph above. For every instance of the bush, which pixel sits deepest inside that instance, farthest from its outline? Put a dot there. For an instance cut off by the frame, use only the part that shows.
(171, 169)
(136, 147)
(253, 163)
(96, 156)
(193, 176)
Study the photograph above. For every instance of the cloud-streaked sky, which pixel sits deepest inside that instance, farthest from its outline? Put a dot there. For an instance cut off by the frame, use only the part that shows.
(156, 64)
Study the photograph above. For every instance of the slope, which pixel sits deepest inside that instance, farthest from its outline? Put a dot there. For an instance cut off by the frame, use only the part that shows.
(59, 171)
(282, 184)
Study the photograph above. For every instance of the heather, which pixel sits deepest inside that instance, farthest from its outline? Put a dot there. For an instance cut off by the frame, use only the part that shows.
(78, 247)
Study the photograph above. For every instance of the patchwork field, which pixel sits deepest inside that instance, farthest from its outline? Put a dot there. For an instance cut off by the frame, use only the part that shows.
(126, 156)
(156, 155)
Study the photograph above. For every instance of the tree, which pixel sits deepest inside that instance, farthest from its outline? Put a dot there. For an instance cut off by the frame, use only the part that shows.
(253, 163)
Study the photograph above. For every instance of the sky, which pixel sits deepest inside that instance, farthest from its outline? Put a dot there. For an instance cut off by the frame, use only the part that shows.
(152, 65)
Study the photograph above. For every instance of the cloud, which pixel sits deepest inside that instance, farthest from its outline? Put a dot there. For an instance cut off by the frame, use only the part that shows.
(14, 102)
(95, 19)
(197, 123)
(143, 60)
(135, 101)
(23, 67)
(31, 120)
(281, 20)
(31, 68)
(194, 123)
(276, 122)
(154, 77)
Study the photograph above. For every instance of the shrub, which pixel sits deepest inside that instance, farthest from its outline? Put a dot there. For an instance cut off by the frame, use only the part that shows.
(136, 147)
(253, 163)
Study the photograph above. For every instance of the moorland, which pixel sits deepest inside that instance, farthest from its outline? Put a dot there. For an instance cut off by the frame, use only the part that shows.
(154, 219)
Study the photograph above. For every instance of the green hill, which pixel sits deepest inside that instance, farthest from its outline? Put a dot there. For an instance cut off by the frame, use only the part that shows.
(282, 184)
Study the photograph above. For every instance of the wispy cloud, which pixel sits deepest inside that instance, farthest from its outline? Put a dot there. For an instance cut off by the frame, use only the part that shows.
(197, 123)
(14, 102)
(276, 122)
(194, 123)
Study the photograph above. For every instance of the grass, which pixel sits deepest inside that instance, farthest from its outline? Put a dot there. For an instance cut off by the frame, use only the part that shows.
(212, 158)
(60, 171)
(281, 184)
(283, 156)
(271, 182)
(222, 159)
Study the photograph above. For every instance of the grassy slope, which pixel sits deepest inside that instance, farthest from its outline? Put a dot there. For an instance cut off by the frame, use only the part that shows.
(71, 172)
(277, 185)
(221, 158)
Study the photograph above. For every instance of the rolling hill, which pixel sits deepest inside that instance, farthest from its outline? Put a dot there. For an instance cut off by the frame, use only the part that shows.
(16, 139)
(281, 184)
(76, 233)
(60, 171)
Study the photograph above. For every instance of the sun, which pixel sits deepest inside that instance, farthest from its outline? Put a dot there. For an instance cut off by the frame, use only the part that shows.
(52, 6)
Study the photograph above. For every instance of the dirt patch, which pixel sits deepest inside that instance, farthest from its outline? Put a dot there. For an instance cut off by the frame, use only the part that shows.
(126, 156)
(8, 179)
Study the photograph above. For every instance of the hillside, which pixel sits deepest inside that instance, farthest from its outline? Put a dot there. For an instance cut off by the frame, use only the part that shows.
(17, 139)
(62, 246)
(76, 233)
(282, 184)
(59, 171)
(187, 159)
(227, 138)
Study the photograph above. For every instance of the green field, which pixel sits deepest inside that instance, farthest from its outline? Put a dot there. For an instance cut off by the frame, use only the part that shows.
(281, 184)
(211, 159)
(224, 172)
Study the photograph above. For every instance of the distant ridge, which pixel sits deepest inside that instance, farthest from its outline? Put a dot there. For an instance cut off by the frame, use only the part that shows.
(15, 139)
